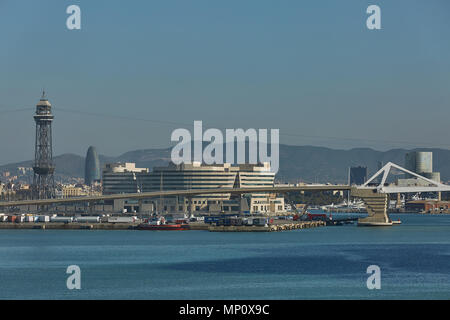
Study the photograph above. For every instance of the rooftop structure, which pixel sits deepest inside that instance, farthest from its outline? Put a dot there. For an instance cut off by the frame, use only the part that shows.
(122, 168)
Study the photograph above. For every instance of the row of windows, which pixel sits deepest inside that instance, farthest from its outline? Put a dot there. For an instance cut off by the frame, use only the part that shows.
(191, 173)
(257, 184)
(181, 175)
(185, 181)
(159, 180)
(257, 175)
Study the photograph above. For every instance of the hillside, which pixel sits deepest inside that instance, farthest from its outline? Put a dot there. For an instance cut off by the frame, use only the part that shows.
(305, 163)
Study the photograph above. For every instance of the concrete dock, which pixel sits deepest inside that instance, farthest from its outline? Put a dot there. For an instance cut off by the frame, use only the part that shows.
(269, 228)
(278, 226)
(67, 226)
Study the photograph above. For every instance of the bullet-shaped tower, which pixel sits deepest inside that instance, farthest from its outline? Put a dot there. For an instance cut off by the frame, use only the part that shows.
(43, 182)
(92, 167)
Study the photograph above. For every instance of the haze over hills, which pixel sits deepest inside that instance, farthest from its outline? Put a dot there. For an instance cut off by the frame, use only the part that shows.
(297, 163)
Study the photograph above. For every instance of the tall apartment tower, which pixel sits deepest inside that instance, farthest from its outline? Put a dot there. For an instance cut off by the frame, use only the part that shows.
(43, 182)
(358, 175)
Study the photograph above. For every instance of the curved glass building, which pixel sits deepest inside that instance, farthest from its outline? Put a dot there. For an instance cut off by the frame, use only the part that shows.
(92, 166)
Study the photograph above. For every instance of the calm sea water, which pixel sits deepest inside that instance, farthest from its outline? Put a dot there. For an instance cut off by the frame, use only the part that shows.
(321, 263)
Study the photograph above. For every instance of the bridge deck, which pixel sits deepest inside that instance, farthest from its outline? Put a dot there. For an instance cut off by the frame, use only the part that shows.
(190, 192)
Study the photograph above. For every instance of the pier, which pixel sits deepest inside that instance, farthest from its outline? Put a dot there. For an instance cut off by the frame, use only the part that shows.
(269, 228)
(132, 226)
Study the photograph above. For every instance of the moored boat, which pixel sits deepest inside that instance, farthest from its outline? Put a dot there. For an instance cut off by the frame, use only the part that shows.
(168, 227)
(160, 224)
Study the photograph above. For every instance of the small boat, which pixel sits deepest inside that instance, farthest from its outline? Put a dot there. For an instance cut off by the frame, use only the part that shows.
(168, 227)
(396, 222)
(160, 224)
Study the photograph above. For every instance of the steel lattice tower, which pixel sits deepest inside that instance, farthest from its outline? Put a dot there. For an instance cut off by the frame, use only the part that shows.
(43, 182)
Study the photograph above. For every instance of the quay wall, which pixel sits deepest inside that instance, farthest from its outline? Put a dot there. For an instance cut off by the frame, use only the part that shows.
(68, 226)
(268, 228)
(128, 226)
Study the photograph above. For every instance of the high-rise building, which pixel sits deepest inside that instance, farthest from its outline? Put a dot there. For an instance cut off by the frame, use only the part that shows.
(91, 167)
(358, 175)
(43, 167)
(421, 162)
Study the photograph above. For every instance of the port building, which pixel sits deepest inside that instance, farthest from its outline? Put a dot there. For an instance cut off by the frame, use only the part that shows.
(126, 178)
(121, 177)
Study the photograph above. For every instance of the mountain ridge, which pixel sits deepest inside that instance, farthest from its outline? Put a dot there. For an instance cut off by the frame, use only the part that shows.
(297, 163)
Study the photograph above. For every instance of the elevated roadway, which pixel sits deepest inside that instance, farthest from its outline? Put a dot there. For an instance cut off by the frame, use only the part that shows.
(375, 197)
(168, 193)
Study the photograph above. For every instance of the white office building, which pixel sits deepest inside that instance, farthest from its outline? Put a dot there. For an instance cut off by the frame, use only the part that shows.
(198, 176)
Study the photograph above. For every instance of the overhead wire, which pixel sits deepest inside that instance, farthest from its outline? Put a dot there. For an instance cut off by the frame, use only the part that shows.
(281, 133)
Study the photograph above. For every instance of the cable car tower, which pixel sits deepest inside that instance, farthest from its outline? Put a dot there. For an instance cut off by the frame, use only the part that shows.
(43, 181)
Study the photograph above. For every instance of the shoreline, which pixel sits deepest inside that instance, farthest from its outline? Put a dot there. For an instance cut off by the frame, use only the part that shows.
(133, 226)
(67, 226)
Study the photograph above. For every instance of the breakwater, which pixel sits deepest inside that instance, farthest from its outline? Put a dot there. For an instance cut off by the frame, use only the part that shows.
(278, 226)
(268, 228)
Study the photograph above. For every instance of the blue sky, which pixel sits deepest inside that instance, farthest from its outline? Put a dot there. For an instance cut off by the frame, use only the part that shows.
(309, 68)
